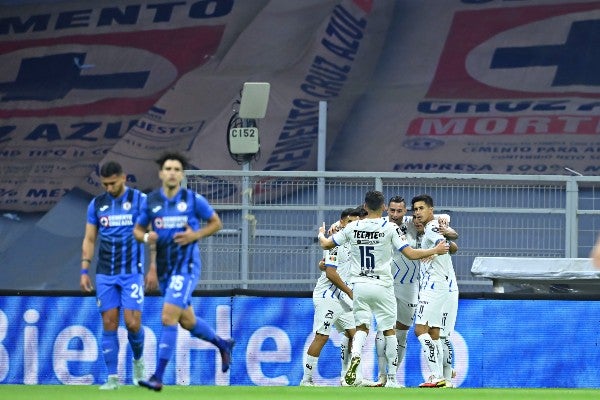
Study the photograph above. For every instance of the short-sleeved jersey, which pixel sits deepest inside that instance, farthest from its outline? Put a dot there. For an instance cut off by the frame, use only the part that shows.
(438, 268)
(372, 242)
(338, 258)
(118, 251)
(169, 216)
(405, 270)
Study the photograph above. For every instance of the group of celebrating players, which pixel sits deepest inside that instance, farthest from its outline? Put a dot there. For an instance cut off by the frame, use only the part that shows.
(396, 269)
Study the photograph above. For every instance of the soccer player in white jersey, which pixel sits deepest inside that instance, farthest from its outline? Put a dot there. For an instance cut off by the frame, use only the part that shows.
(434, 291)
(372, 241)
(406, 288)
(450, 308)
(449, 313)
(332, 299)
(406, 281)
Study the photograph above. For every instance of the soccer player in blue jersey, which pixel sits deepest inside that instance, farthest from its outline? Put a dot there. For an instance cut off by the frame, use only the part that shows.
(119, 270)
(171, 222)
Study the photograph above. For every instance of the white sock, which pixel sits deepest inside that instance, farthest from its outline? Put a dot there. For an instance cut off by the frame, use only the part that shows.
(391, 354)
(430, 352)
(439, 358)
(309, 365)
(381, 358)
(345, 353)
(448, 357)
(358, 341)
(401, 336)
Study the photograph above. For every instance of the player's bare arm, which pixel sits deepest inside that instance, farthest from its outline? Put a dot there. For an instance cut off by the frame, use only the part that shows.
(87, 253)
(143, 235)
(335, 278)
(453, 248)
(448, 232)
(416, 254)
(151, 278)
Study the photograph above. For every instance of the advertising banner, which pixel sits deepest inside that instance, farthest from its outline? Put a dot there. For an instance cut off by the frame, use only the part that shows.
(497, 343)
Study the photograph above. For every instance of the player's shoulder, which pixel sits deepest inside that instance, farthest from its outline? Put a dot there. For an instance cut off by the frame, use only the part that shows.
(391, 225)
(137, 192)
(432, 226)
(101, 200)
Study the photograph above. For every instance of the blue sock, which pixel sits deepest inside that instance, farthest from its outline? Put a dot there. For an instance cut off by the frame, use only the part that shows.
(110, 351)
(136, 341)
(168, 341)
(205, 332)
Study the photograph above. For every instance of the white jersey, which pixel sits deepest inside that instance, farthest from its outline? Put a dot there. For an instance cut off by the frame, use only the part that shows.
(372, 243)
(338, 257)
(405, 270)
(437, 268)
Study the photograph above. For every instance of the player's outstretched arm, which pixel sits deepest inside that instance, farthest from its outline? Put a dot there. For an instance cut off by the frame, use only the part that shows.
(417, 254)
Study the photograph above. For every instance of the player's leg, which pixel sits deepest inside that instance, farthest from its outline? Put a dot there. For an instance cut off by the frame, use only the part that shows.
(381, 358)
(132, 300)
(108, 300)
(448, 322)
(362, 317)
(312, 358)
(384, 309)
(177, 293)
(346, 326)
(346, 351)
(428, 320)
(407, 297)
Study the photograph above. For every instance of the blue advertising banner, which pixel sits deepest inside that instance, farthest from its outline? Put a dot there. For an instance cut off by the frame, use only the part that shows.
(497, 343)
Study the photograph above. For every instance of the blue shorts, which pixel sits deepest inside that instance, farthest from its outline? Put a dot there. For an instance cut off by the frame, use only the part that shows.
(120, 291)
(177, 289)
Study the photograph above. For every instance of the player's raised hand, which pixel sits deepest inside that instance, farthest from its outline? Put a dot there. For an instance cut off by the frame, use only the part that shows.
(322, 229)
(335, 227)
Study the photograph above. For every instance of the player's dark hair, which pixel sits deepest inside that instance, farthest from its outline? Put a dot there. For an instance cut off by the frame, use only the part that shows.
(111, 168)
(357, 212)
(425, 198)
(396, 199)
(374, 200)
(348, 212)
(172, 156)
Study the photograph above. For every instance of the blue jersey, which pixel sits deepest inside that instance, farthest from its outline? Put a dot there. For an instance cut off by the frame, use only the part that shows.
(119, 253)
(169, 216)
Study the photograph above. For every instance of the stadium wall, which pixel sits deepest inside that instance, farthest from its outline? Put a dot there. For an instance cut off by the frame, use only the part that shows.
(500, 341)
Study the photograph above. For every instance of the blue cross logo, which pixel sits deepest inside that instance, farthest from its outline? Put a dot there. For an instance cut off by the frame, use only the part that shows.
(577, 61)
(52, 77)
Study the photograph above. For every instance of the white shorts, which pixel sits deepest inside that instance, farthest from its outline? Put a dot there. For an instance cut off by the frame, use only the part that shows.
(371, 299)
(331, 312)
(407, 297)
(431, 305)
(449, 313)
